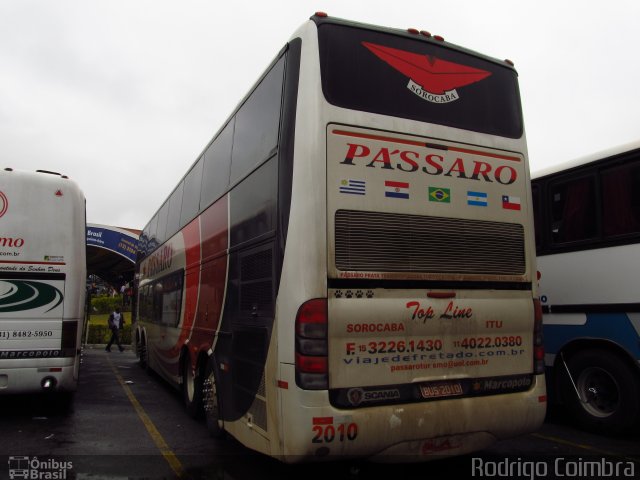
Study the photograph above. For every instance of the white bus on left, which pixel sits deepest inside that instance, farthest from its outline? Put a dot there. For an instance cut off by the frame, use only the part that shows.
(42, 282)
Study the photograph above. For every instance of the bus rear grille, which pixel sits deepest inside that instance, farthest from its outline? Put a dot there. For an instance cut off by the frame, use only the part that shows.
(391, 242)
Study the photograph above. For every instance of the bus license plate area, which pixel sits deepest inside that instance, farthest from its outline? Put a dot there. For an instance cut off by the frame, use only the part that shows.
(441, 389)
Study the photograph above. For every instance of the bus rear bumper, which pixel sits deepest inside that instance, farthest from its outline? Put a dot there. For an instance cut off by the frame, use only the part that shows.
(406, 432)
(21, 380)
(434, 448)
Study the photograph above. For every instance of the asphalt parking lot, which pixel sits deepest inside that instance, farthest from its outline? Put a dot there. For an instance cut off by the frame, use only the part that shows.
(126, 423)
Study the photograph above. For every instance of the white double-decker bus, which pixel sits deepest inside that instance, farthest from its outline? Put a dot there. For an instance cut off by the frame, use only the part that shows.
(348, 268)
(42, 282)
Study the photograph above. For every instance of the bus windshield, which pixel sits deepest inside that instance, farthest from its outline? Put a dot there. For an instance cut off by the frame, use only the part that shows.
(382, 73)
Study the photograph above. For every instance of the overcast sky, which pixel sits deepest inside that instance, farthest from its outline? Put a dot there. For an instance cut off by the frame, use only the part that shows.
(122, 95)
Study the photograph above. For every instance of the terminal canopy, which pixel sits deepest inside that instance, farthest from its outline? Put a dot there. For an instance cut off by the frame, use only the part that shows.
(111, 253)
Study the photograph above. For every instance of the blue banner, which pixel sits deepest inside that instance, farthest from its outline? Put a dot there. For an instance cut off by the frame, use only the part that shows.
(116, 241)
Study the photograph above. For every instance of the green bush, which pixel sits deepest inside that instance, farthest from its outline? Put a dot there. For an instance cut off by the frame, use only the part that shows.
(105, 303)
(99, 334)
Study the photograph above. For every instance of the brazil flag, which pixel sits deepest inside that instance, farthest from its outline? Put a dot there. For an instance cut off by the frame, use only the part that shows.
(438, 194)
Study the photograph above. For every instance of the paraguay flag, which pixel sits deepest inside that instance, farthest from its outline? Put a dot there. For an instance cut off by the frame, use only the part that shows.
(396, 189)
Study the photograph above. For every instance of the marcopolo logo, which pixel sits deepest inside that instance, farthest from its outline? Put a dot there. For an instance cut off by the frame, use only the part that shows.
(36, 469)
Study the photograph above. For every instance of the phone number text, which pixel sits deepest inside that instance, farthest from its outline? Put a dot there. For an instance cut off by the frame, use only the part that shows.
(392, 346)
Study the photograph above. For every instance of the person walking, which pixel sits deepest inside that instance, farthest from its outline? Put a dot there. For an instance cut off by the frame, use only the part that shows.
(116, 322)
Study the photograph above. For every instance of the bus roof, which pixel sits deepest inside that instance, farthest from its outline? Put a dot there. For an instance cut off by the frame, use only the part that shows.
(412, 33)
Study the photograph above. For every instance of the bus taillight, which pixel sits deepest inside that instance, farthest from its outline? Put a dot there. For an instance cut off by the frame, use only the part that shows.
(538, 338)
(312, 371)
(309, 364)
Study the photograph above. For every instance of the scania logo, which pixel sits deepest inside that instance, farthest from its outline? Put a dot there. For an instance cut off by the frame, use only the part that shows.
(4, 204)
(356, 396)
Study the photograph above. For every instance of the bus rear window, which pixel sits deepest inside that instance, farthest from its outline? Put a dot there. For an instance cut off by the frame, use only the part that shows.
(392, 75)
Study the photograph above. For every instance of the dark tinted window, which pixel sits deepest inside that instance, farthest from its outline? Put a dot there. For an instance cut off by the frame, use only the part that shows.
(217, 163)
(146, 303)
(175, 206)
(573, 207)
(191, 194)
(393, 75)
(168, 295)
(257, 124)
(620, 200)
(253, 208)
(161, 232)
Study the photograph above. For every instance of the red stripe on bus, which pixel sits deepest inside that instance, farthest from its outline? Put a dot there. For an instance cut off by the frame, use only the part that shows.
(424, 144)
(484, 154)
(379, 137)
(441, 294)
(32, 263)
(191, 234)
(214, 238)
(389, 183)
(322, 420)
(191, 237)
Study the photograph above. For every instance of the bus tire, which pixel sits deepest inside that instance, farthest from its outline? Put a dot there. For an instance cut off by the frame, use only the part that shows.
(137, 346)
(211, 402)
(143, 360)
(609, 389)
(191, 387)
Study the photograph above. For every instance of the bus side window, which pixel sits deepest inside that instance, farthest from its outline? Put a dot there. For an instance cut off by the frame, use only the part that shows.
(573, 209)
(217, 163)
(191, 194)
(175, 205)
(161, 232)
(257, 124)
(620, 200)
(152, 239)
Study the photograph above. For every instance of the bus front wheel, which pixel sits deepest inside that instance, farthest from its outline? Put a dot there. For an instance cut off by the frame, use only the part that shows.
(604, 395)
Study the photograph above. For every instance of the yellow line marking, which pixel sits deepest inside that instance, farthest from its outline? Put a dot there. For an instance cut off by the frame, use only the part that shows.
(589, 448)
(155, 435)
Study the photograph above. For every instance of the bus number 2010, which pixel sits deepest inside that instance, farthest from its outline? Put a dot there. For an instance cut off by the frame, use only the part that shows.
(329, 433)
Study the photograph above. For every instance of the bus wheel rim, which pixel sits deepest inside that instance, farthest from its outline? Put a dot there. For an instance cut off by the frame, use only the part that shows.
(209, 399)
(190, 383)
(599, 391)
